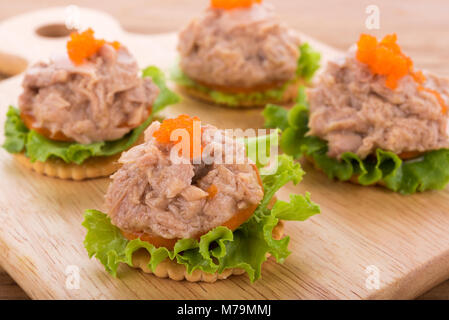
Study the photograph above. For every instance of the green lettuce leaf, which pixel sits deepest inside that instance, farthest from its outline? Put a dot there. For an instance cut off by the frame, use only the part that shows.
(220, 248)
(259, 148)
(428, 172)
(15, 131)
(275, 117)
(166, 97)
(230, 99)
(39, 148)
(287, 170)
(308, 64)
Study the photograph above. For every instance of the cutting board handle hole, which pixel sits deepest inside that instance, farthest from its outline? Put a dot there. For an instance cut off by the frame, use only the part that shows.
(55, 30)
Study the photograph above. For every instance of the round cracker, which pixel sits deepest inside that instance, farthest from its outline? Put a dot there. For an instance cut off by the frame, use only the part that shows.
(172, 270)
(94, 167)
(289, 96)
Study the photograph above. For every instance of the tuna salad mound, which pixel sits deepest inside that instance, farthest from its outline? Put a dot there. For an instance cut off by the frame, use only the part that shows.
(239, 48)
(88, 102)
(241, 52)
(372, 118)
(151, 194)
(354, 111)
(211, 212)
(100, 100)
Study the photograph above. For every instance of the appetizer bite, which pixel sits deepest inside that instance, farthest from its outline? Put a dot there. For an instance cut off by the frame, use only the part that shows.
(82, 108)
(372, 119)
(203, 219)
(239, 54)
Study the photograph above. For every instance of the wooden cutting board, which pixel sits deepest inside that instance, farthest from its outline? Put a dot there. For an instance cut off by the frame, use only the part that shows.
(360, 231)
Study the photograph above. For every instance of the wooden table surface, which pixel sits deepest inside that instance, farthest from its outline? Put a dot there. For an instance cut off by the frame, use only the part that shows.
(422, 28)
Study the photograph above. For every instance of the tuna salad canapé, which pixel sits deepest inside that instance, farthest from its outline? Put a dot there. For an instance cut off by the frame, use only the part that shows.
(243, 47)
(372, 119)
(372, 99)
(189, 203)
(239, 54)
(82, 108)
(153, 196)
(91, 93)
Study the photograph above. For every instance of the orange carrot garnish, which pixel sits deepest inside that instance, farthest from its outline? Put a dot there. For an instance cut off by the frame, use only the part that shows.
(212, 190)
(386, 58)
(83, 45)
(232, 4)
(163, 134)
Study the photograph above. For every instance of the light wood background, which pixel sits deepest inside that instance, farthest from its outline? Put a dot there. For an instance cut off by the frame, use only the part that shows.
(422, 27)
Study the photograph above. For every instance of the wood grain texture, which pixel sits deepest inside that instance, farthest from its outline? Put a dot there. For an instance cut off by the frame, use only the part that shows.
(9, 289)
(422, 26)
(403, 236)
